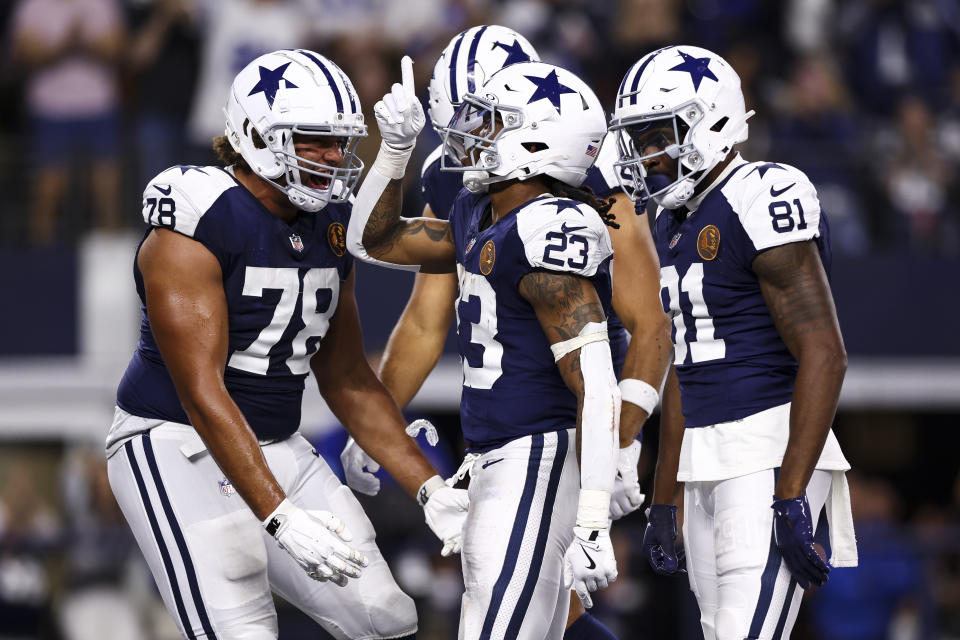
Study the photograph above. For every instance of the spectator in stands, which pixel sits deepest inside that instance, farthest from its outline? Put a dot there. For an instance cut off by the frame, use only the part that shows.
(917, 178)
(818, 133)
(69, 49)
(163, 57)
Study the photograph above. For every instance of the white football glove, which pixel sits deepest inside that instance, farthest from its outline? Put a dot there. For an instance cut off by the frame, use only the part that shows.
(626, 497)
(445, 510)
(400, 115)
(316, 539)
(589, 563)
(358, 469)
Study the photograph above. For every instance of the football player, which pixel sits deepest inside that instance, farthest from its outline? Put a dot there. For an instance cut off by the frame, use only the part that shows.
(246, 287)
(417, 341)
(758, 357)
(532, 257)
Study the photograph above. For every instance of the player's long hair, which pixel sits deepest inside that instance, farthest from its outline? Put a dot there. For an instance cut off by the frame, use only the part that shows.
(227, 154)
(584, 195)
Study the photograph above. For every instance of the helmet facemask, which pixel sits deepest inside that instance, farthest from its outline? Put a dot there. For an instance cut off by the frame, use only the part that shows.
(470, 139)
(311, 185)
(634, 135)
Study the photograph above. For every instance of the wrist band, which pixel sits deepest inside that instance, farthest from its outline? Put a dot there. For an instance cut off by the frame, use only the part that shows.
(639, 393)
(593, 510)
(427, 489)
(392, 162)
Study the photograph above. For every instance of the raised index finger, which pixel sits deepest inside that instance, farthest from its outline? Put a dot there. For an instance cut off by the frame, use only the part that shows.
(406, 74)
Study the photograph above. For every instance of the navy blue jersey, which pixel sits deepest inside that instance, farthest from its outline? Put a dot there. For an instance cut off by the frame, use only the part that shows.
(730, 360)
(511, 385)
(282, 284)
(440, 189)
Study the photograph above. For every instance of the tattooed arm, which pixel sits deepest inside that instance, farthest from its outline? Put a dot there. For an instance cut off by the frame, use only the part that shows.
(797, 292)
(565, 304)
(390, 238)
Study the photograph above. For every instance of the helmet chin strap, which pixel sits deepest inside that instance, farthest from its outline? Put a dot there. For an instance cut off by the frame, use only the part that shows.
(677, 194)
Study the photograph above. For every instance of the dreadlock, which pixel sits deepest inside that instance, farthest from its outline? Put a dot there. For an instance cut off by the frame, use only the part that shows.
(584, 195)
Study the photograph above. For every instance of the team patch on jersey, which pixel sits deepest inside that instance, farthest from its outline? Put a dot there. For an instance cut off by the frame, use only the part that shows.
(226, 488)
(708, 242)
(487, 257)
(337, 237)
(296, 242)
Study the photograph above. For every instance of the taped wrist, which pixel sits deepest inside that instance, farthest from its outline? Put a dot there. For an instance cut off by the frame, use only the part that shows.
(639, 393)
(391, 161)
(427, 489)
(275, 521)
(593, 510)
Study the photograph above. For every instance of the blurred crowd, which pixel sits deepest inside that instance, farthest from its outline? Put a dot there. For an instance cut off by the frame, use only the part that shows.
(100, 95)
(863, 95)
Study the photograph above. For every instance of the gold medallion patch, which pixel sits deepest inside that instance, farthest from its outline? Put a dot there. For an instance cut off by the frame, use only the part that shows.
(337, 237)
(708, 242)
(487, 257)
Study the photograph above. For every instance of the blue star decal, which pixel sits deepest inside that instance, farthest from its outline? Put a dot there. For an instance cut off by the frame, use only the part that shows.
(698, 68)
(189, 167)
(763, 168)
(270, 82)
(515, 52)
(549, 88)
(563, 204)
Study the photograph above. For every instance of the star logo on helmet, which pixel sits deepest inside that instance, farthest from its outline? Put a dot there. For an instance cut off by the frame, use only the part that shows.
(190, 167)
(698, 68)
(549, 88)
(515, 52)
(270, 82)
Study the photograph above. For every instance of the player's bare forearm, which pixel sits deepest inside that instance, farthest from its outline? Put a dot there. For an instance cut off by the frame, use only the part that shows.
(416, 343)
(797, 292)
(636, 300)
(665, 485)
(424, 241)
(188, 317)
(361, 402)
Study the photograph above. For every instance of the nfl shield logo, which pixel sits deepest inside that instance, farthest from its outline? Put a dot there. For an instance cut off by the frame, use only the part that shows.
(470, 244)
(675, 239)
(226, 488)
(296, 242)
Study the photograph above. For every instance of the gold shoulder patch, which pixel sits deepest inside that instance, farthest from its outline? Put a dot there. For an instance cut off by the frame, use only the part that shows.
(488, 256)
(708, 242)
(337, 237)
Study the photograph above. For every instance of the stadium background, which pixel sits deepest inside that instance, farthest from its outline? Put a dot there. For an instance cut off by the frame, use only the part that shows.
(863, 95)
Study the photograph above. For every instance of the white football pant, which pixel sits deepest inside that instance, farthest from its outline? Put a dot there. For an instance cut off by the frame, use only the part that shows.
(214, 563)
(742, 585)
(523, 506)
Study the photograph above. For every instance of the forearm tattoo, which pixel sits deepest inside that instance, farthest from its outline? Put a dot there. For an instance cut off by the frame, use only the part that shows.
(384, 221)
(561, 303)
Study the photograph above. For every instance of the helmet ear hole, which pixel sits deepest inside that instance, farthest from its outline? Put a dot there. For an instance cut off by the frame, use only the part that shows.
(534, 147)
(719, 124)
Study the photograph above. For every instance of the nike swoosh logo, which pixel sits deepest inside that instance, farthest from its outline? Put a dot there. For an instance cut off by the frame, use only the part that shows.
(592, 564)
(567, 229)
(166, 191)
(776, 192)
(490, 462)
(665, 90)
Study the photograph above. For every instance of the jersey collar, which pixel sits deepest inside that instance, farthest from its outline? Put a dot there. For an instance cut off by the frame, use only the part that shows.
(694, 202)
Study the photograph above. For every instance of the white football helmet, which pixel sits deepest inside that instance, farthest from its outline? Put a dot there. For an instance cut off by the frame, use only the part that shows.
(529, 119)
(295, 91)
(696, 94)
(468, 61)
